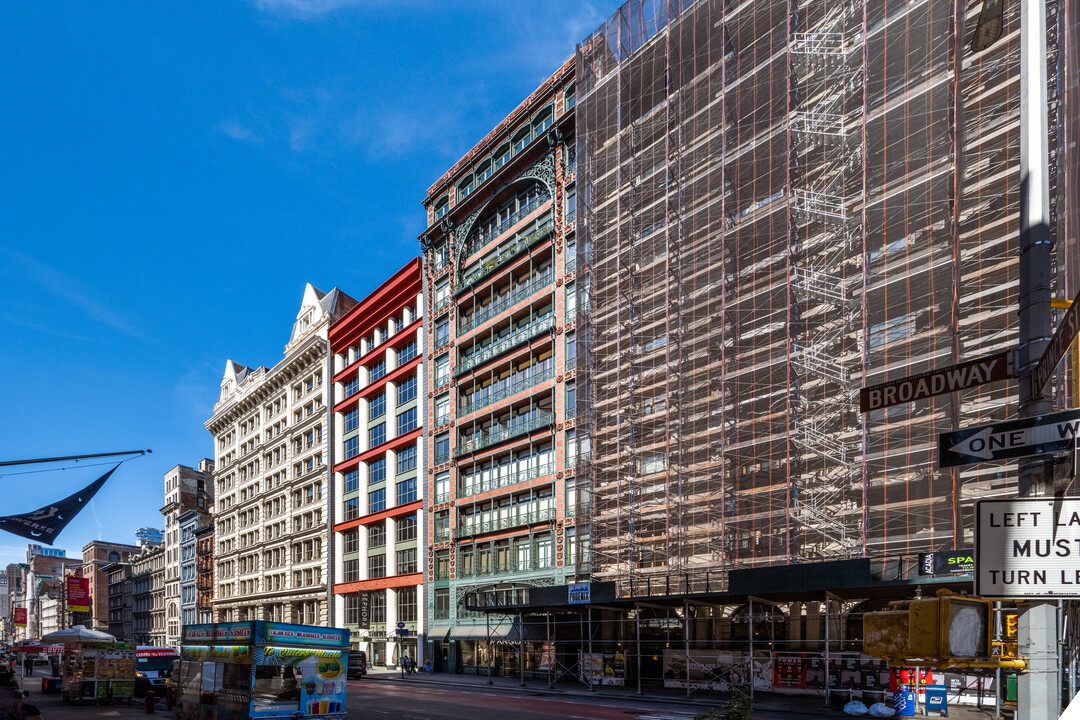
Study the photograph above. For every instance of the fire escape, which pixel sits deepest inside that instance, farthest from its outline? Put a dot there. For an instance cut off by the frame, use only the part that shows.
(827, 278)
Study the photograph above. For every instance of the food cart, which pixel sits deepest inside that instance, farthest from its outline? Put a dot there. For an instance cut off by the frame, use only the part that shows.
(262, 669)
(94, 666)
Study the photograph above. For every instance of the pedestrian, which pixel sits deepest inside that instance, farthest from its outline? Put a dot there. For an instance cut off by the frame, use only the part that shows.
(28, 665)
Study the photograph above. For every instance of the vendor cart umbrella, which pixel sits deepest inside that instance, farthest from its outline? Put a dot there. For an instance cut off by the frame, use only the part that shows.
(78, 634)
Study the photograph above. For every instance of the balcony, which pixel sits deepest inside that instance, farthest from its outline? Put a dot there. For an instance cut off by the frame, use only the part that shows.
(520, 425)
(511, 249)
(516, 295)
(505, 523)
(441, 342)
(442, 458)
(517, 336)
(571, 263)
(522, 474)
(442, 303)
(442, 535)
(507, 568)
(522, 380)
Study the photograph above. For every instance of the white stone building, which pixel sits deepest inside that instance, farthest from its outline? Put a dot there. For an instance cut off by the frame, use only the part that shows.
(271, 429)
(186, 489)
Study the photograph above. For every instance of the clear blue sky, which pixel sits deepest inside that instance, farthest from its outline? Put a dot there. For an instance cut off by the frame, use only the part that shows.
(173, 173)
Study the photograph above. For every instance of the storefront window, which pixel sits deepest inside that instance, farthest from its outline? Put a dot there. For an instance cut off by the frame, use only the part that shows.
(276, 687)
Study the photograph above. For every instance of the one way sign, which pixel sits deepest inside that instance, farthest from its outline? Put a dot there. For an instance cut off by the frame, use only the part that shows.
(1039, 435)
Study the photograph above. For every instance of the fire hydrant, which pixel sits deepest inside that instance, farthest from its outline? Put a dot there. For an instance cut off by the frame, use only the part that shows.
(150, 700)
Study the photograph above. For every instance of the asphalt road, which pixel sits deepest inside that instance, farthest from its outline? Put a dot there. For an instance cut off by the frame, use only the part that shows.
(417, 702)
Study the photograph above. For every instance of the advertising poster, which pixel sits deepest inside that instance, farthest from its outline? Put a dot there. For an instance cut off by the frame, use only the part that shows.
(364, 607)
(592, 668)
(285, 634)
(763, 670)
(789, 670)
(547, 656)
(78, 594)
(713, 670)
(321, 677)
(614, 669)
(20, 617)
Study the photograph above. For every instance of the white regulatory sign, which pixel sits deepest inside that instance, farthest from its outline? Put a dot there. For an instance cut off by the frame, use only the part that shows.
(1027, 548)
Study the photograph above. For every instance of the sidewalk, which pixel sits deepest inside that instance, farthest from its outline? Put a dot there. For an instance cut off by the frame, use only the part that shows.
(53, 707)
(806, 706)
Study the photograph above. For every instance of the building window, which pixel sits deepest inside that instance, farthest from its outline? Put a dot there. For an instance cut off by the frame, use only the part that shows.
(377, 371)
(442, 410)
(352, 508)
(442, 333)
(378, 606)
(406, 561)
(442, 448)
(442, 370)
(352, 420)
(406, 353)
(352, 447)
(352, 609)
(406, 604)
(377, 435)
(406, 529)
(350, 541)
(571, 400)
(376, 566)
(376, 535)
(406, 491)
(352, 481)
(406, 460)
(406, 391)
(377, 407)
(571, 349)
(441, 207)
(351, 571)
(377, 500)
(377, 471)
(442, 487)
(406, 421)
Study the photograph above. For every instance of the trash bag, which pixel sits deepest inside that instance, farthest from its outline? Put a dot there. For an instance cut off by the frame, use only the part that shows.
(881, 710)
(855, 708)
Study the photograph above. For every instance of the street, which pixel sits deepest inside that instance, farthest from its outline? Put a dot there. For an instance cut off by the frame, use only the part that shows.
(367, 699)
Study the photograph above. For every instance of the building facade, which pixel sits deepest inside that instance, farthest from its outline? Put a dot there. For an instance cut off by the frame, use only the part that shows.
(188, 522)
(204, 573)
(187, 490)
(271, 429)
(121, 601)
(96, 555)
(379, 407)
(499, 275)
(147, 565)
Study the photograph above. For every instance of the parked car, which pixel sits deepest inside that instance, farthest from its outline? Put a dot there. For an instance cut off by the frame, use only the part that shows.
(357, 664)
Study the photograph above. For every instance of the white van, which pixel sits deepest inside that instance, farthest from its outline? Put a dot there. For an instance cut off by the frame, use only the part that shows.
(152, 667)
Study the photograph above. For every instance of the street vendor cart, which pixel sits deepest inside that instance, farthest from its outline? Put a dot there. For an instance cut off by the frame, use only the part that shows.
(94, 666)
(262, 669)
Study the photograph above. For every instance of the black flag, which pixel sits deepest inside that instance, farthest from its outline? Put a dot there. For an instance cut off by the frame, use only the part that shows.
(46, 523)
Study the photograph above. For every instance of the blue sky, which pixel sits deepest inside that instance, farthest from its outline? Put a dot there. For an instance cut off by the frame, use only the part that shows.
(173, 173)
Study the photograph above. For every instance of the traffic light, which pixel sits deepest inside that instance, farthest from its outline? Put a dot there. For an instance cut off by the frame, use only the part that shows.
(944, 628)
(951, 626)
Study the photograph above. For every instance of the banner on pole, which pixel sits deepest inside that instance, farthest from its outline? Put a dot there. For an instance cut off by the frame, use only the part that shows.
(20, 617)
(78, 594)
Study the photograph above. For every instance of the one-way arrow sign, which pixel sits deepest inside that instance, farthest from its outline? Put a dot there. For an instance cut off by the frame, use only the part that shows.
(1039, 435)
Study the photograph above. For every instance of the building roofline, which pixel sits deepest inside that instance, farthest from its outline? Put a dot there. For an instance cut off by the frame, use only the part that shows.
(504, 125)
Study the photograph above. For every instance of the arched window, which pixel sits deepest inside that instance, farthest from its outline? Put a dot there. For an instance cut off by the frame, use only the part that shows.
(466, 186)
(541, 122)
(522, 139)
(501, 156)
(441, 207)
(114, 556)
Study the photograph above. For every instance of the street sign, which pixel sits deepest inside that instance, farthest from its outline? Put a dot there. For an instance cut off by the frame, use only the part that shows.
(402, 632)
(938, 382)
(1064, 336)
(1041, 435)
(1027, 548)
(400, 625)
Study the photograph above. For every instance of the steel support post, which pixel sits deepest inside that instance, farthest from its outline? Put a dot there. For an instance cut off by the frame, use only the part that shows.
(637, 639)
(1038, 692)
(686, 643)
(521, 647)
(752, 652)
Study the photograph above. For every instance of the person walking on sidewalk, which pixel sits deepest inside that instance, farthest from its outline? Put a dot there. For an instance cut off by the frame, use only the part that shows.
(28, 666)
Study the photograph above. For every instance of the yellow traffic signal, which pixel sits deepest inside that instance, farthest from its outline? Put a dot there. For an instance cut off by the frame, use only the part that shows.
(1011, 621)
(950, 627)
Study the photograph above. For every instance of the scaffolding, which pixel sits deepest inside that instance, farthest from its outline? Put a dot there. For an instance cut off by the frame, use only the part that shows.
(782, 202)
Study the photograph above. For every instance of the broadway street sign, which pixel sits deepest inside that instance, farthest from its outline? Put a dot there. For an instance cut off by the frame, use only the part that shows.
(938, 382)
(1064, 336)
(1045, 434)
